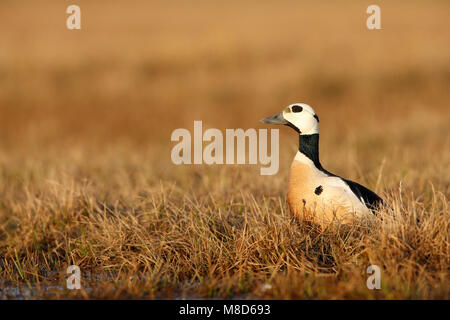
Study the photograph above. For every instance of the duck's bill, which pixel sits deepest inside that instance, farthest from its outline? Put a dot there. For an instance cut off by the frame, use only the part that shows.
(275, 119)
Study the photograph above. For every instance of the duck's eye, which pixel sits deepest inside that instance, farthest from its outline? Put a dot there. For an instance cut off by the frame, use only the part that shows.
(297, 109)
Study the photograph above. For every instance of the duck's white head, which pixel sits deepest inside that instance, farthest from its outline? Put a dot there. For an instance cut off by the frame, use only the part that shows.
(299, 116)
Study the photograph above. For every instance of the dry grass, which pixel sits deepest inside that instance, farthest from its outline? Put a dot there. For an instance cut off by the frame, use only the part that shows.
(85, 170)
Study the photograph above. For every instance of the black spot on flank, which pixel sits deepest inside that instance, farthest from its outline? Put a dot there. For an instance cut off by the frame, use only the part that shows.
(318, 190)
(297, 109)
(317, 118)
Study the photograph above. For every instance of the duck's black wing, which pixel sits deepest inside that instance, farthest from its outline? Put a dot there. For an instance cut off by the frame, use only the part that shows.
(370, 198)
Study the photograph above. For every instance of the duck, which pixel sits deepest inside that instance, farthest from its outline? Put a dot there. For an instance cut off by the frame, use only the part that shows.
(315, 194)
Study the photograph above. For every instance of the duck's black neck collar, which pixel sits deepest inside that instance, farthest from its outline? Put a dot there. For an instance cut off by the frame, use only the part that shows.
(309, 146)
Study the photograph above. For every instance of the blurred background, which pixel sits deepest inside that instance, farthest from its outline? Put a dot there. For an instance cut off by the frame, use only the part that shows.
(86, 117)
(137, 70)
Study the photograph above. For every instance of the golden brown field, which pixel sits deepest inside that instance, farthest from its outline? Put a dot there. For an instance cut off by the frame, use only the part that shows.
(86, 176)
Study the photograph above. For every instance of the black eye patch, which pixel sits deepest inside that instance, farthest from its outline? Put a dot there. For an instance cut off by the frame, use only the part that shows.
(297, 109)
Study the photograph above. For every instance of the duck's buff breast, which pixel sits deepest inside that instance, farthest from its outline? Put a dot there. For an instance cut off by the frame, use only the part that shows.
(305, 204)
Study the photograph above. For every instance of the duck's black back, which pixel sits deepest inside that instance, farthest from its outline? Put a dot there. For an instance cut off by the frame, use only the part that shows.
(370, 198)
